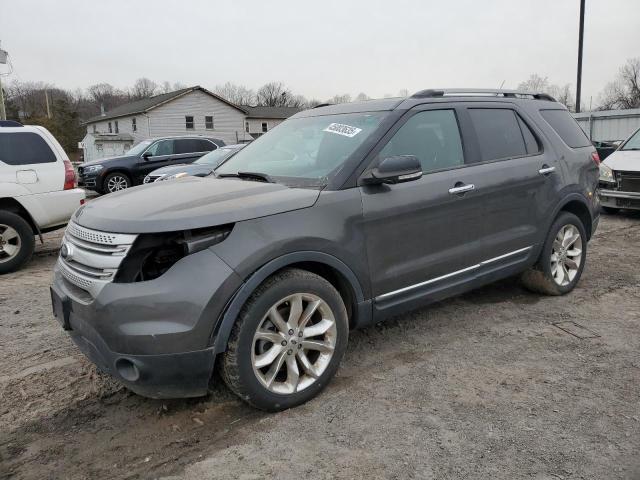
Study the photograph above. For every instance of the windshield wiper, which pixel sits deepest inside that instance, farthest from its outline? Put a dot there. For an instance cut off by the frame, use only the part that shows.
(255, 176)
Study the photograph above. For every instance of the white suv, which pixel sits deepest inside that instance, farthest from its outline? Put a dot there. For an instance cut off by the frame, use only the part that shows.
(620, 177)
(37, 190)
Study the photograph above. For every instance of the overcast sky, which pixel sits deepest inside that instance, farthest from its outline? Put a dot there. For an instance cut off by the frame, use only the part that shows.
(318, 48)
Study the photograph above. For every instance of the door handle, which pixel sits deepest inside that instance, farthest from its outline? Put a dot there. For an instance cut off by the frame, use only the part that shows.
(462, 189)
(545, 170)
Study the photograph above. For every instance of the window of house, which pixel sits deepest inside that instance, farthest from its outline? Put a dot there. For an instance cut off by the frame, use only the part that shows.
(265, 127)
(24, 148)
(110, 129)
(95, 129)
(208, 122)
(116, 126)
(499, 134)
(566, 127)
(134, 126)
(246, 127)
(189, 123)
(432, 136)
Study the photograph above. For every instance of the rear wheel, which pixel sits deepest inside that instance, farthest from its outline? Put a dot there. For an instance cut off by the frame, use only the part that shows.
(562, 259)
(287, 342)
(16, 242)
(114, 182)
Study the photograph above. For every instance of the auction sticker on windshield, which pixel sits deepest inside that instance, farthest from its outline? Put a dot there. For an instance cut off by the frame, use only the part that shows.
(341, 129)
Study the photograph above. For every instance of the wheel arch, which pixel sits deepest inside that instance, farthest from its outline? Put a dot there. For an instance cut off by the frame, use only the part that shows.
(579, 206)
(12, 205)
(327, 266)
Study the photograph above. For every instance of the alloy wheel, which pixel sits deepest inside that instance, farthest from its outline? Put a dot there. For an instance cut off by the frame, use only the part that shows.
(116, 183)
(294, 343)
(10, 243)
(566, 255)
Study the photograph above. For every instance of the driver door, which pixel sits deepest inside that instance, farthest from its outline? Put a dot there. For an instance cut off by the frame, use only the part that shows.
(422, 235)
(156, 156)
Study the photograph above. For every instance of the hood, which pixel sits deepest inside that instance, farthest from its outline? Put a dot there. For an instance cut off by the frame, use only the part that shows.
(627, 160)
(190, 202)
(190, 168)
(108, 160)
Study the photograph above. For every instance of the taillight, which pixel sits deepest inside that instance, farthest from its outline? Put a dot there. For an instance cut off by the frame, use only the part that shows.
(596, 158)
(70, 181)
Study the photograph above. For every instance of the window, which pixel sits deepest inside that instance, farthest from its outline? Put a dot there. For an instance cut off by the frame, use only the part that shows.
(499, 134)
(246, 126)
(134, 126)
(116, 126)
(633, 143)
(95, 128)
(206, 146)
(530, 140)
(193, 145)
(162, 147)
(566, 127)
(265, 127)
(110, 130)
(24, 148)
(208, 122)
(188, 120)
(432, 136)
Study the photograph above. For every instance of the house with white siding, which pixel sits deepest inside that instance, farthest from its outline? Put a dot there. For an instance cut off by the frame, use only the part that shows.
(190, 111)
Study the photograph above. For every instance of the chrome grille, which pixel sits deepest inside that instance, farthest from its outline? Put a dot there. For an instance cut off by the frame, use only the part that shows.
(89, 259)
(628, 181)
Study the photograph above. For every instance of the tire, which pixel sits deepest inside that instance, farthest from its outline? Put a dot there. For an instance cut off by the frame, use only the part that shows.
(274, 386)
(610, 210)
(542, 277)
(116, 181)
(17, 242)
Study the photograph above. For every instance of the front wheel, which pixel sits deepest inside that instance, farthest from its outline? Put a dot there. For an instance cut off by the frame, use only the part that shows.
(287, 342)
(562, 259)
(114, 182)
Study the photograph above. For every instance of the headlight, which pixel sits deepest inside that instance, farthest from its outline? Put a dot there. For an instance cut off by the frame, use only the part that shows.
(174, 176)
(606, 174)
(93, 168)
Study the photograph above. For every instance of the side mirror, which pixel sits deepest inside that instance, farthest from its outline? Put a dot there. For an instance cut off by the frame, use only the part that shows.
(396, 169)
(146, 155)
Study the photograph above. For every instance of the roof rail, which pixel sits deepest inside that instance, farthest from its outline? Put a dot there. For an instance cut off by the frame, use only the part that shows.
(480, 92)
(322, 105)
(10, 123)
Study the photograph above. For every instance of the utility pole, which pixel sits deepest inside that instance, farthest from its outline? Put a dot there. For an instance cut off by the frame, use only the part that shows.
(3, 61)
(46, 97)
(580, 42)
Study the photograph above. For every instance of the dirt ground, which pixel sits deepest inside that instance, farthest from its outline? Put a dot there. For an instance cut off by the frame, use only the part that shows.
(479, 386)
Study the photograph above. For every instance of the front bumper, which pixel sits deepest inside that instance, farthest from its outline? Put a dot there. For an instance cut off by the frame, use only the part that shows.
(155, 336)
(618, 199)
(89, 180)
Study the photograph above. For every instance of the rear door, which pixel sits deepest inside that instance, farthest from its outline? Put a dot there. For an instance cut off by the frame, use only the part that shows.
(189, 149)
(517, 177)
(28, 159)
(421, 236)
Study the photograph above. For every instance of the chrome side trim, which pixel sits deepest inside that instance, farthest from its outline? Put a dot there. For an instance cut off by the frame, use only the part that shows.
(619, 194)
(457, 272)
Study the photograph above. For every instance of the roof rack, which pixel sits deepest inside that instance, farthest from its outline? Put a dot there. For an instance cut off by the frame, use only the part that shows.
(481, 92)
(10, 123)
(322, 105)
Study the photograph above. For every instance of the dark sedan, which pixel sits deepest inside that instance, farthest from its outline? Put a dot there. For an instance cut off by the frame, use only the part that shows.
(200, 168)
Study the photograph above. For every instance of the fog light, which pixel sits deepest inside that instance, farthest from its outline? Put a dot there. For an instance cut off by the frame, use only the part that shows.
(127, 370)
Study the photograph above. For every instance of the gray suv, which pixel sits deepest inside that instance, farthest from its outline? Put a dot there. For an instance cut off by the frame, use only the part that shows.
(342, 216)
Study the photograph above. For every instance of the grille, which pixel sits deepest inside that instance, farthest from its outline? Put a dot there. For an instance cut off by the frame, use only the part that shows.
(628, 181)
(89, 259)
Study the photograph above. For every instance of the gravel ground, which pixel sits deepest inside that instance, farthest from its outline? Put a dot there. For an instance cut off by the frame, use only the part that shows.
(483, 385)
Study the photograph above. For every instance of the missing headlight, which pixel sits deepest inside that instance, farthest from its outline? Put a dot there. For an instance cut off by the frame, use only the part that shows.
(154, 253)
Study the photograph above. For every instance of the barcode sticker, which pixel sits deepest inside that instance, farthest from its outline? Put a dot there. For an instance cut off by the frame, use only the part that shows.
(344, 130)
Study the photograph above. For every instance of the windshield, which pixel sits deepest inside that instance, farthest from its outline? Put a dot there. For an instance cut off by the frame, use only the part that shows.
(139, 148)
(304, 148)
(633, 143)
(216, 157)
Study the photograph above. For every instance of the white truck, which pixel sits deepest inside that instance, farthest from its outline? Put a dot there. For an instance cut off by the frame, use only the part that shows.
(38, 190)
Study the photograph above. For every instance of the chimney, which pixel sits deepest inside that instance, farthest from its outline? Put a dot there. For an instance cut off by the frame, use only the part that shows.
(102, 114)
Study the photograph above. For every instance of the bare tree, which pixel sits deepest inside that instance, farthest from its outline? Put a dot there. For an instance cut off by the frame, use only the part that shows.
(237, 94)
(537, 84)
(165, 87)
(273, 94)
(403, 92)
(624, 91)
(298, 101)
(344, 98)
(143, 88)
(534, 84)
(314, 102)
(361, 97)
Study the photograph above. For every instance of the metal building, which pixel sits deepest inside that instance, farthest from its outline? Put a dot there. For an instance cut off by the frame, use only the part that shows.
(609, 125)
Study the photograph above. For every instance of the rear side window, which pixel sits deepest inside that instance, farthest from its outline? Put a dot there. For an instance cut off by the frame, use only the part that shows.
(566, 127)
(499, 133)
(432, 136)
(24, 148)
(205, 146)
(192, 145)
